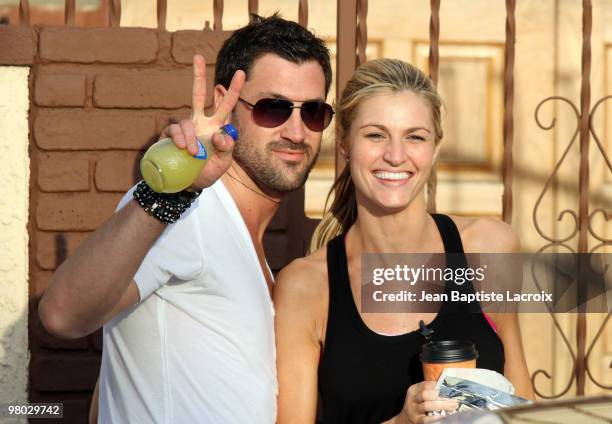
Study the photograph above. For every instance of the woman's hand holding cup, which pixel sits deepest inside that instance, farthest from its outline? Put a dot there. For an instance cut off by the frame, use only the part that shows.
(423, 398)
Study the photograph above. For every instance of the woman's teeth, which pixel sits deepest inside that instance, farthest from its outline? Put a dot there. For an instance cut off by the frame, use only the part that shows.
(383, 175)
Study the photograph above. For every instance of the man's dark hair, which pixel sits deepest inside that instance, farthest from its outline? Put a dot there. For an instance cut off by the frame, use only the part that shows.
(275, 35)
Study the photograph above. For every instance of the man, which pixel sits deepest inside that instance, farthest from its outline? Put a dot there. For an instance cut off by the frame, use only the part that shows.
(186, 307)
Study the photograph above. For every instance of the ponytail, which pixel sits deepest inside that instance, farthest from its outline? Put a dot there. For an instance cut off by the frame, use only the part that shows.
(341, 215)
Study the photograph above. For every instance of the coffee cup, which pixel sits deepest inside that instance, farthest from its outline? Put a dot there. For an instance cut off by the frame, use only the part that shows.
(438, 355)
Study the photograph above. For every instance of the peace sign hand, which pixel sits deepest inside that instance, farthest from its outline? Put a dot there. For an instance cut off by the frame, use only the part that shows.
(185, 132)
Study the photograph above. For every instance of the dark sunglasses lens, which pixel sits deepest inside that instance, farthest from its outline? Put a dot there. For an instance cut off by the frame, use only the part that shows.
(270, 113)
(316, 115)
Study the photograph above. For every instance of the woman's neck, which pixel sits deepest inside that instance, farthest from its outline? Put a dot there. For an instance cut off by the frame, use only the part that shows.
(409, 230)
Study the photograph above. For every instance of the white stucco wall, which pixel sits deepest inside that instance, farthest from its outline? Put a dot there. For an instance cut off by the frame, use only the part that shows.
(14, 183)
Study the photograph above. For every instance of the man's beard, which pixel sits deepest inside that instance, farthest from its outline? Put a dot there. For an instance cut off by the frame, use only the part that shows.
(270, 172)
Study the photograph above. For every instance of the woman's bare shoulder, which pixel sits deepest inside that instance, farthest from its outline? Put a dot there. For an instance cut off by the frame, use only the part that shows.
(304, 277)
(486, 234)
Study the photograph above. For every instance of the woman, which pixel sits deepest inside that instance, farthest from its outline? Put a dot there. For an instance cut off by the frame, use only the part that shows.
(366, 366)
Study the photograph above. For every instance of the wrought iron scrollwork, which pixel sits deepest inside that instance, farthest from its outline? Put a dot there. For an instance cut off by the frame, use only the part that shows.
(551, 178)
(604, 242)
(558, 327)
(562, 241)
(588, 354)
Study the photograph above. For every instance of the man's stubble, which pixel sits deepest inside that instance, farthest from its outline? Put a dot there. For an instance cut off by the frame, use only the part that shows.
(268, 171)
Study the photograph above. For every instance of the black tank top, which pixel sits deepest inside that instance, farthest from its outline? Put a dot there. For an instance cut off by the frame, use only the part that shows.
(363, 375)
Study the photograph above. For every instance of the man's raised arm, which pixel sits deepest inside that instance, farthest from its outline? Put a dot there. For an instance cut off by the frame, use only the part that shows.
(97, 282)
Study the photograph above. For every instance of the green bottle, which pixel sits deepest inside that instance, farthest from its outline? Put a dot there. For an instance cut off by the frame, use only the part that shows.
(169, 169)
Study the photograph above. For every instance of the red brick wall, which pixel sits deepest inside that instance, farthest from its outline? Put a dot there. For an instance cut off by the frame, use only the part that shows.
(98, 98)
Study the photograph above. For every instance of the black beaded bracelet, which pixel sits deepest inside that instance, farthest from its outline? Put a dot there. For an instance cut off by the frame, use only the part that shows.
(166, 207)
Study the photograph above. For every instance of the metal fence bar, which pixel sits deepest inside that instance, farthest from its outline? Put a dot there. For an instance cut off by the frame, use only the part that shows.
(218, 15)
(69, 12)
(434, 38)
(362, 31)
(24, 12)
(346, 53)
(346, 37)
(583, 183)
(303, 13)
(508, 162)
(114, 11)
(162, 12)
(253, 8)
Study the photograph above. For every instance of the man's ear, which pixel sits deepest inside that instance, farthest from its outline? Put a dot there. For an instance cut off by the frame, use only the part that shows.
(218, 95)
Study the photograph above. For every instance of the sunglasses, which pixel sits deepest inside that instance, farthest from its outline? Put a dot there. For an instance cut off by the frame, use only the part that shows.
(271, 113)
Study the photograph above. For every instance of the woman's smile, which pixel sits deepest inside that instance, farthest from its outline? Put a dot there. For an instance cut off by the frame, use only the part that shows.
(393, 178)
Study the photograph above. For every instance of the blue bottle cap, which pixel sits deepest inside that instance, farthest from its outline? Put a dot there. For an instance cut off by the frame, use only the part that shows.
(231, 131)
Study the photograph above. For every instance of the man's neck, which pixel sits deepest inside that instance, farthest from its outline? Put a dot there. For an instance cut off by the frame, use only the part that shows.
(256, 207)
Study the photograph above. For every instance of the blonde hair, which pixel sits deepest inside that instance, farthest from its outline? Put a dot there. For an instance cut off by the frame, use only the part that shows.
(373, 78)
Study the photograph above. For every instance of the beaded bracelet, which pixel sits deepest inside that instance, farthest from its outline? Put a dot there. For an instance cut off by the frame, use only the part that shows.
(166, 207)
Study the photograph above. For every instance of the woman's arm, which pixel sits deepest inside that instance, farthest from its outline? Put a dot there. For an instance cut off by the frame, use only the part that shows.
(515, 368)
(297, 342)
(494, 236)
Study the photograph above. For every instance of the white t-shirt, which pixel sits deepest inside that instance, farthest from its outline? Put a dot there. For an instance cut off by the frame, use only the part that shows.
(199, 347)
